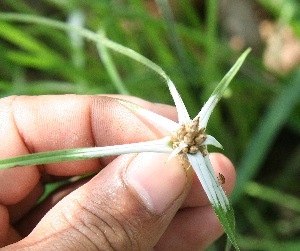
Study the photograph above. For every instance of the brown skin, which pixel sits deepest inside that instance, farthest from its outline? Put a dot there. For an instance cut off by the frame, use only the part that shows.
(106, 212)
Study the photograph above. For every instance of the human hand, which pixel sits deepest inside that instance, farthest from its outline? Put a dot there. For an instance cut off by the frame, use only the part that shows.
(137, 202)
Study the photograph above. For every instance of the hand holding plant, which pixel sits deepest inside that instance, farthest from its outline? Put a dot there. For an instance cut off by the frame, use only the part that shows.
(135, 202)
(187, 139)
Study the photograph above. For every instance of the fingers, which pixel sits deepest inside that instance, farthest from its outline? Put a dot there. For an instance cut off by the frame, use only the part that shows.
(18, 210)
(192, 229)
(195, 226)
(127, 206)
(4, 216)
(46, 123)
(16, 183)
(28, 223)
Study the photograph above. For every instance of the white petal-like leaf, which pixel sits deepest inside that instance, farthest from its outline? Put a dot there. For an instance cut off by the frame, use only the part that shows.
(207, 110)
(160, 145)
(226, 216)
(164, 124)
(177, 150)
(183, 115)
(215, 193)
(209, 181)
(209, 106)
(210, 140)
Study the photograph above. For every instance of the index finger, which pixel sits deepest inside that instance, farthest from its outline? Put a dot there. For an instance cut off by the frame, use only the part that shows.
(47, 123)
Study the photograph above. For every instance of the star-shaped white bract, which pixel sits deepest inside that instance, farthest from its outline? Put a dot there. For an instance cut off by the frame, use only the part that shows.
(188, 138)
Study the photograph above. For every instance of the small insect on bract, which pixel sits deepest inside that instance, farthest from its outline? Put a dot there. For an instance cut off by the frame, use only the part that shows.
(221, 178)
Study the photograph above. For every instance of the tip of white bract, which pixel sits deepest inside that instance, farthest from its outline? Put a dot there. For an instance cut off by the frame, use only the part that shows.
(177, 150)
(218, 92)
(210, 140)
(183, 115)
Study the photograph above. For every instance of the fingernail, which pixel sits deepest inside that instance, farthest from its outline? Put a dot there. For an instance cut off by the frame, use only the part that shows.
(158, 183)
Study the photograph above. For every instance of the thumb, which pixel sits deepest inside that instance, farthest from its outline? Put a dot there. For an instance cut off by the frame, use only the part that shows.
(127, 206)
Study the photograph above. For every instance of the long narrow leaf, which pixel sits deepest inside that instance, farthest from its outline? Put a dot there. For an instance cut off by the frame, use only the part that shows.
(111, 68)
(161, 145)
(215, 194)
(183, 115)
(22, 39)
(265, 134)
(166, 125)
(220, 89)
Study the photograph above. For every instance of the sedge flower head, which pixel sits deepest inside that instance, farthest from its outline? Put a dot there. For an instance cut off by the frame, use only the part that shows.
(188, 139)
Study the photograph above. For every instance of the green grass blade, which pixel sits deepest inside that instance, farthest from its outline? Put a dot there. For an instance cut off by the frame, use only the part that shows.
(21, 38)
(98, 38)
(88, 35)
(273, 196)
(111, 68)
(177, 44)
(211, 45)
(218, 92)
(221, 87)
(265, 134)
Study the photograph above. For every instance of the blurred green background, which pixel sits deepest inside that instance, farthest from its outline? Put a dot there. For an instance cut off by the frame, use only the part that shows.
(195, 42)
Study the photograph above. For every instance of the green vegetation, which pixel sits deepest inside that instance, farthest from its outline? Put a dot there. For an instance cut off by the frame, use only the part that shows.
(258, 122)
